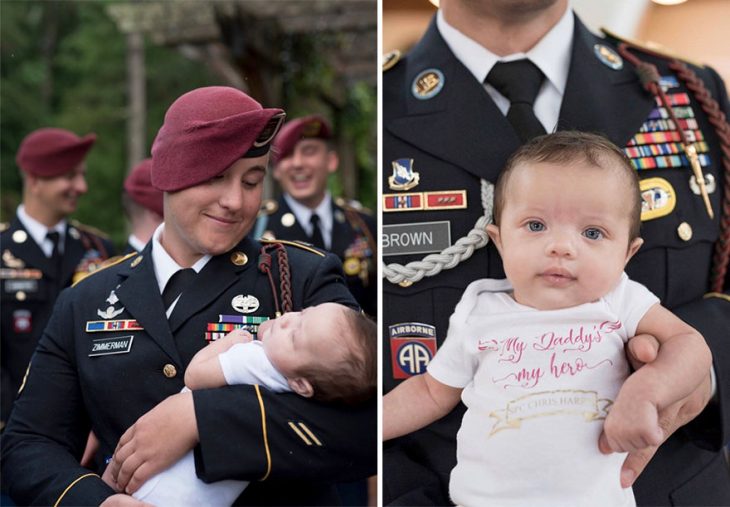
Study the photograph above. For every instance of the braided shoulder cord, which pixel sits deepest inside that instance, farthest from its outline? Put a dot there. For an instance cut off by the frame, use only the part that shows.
(450, 257)
(718, 120)
(284, 278)
(649, 75)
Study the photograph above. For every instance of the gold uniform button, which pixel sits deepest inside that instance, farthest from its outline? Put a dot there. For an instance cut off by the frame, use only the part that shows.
(684, 231)
(169, 370)
(20, 295)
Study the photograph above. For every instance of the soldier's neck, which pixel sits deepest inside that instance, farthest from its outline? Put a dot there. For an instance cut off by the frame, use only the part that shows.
(41, 213)
(502, 31)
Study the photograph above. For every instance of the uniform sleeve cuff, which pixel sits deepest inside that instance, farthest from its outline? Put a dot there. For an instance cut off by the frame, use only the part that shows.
(87, 489)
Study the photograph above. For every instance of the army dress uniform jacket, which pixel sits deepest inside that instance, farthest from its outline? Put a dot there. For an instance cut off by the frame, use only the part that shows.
(454, 136)
(349, 242)
(81, 380)
(30, 286)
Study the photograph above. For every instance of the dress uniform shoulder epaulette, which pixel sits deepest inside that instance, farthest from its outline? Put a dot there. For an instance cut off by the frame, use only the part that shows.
(89, 229)
(4, 226)
(297, 244)
(391, 59)
(111, 261)
(268, 207)
(649, 47)
(352, 204)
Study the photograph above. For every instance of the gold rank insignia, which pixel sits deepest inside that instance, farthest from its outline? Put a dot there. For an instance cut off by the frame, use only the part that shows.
(287, 219)
(608, 57)
(390, 59)
(239, 258)
(20, 236)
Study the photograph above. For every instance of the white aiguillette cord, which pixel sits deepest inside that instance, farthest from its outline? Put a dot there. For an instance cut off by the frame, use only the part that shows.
(450, 257)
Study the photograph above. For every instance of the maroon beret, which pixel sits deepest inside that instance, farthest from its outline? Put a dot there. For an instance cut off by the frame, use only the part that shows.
(205, 131)
(139, 187)
(51, 152)
(309, 127)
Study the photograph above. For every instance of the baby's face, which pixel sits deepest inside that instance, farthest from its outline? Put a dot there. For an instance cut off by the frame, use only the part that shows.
(564, 234)
(298, 339)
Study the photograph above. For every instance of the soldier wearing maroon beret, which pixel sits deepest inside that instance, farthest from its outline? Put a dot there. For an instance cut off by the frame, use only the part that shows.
(142, 205)
(114, 354)
(42, 251)
(303, 159)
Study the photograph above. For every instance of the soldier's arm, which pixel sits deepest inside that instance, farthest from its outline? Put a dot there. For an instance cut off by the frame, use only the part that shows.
(45, 437)
(284, 435)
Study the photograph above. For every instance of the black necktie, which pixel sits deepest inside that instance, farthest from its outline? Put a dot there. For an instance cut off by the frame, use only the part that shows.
(519, 82)
(55, 258)
(316, 238)
(177, 283)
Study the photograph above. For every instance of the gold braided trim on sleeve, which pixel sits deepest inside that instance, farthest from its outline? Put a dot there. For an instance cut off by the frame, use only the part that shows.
(266, 437)
(718, 295)
(71, 486)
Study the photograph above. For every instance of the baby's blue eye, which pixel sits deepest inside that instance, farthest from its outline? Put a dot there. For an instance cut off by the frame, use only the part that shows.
(593, 233)
(535, 226)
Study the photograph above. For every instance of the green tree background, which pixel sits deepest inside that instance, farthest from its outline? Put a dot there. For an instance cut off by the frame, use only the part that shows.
(62, 63)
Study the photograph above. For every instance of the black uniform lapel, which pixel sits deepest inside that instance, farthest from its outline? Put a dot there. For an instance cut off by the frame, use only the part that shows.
(614, 104)
(73, 252)
(431, 124)
(342, 233)
(217, 276)
(139, 293)
(293, 233)
(28, 251)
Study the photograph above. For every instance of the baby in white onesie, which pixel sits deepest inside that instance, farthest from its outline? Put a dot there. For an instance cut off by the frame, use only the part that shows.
(327, 352)
(538, 359)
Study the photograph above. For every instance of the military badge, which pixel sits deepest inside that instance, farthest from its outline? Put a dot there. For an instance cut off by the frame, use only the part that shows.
(412, 346)
(110, 311)
(12, 261)
(245, 304)
(404, 177)
(658, 198)
(22, 321)
(428, 84)
(710, 184)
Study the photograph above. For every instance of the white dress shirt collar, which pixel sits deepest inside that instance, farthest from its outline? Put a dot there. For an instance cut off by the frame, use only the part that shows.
(38, 231)
(551, 55)
(303, 214)
(164, 265)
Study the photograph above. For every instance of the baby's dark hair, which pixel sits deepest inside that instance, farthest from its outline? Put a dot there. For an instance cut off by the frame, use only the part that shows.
(567, 147)
(354, 379)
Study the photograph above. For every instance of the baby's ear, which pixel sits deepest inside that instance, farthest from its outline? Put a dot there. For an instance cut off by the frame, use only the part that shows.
(633, 248)
(301, 386)
(493, 232)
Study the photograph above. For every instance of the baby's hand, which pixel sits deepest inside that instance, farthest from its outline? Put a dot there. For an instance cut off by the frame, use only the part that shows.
(238, 336)
(632, 424)
(109, 479)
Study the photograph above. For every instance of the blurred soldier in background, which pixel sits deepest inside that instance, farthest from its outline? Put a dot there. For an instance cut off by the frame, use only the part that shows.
(303, 160)
(42, 251)
(142, 205)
